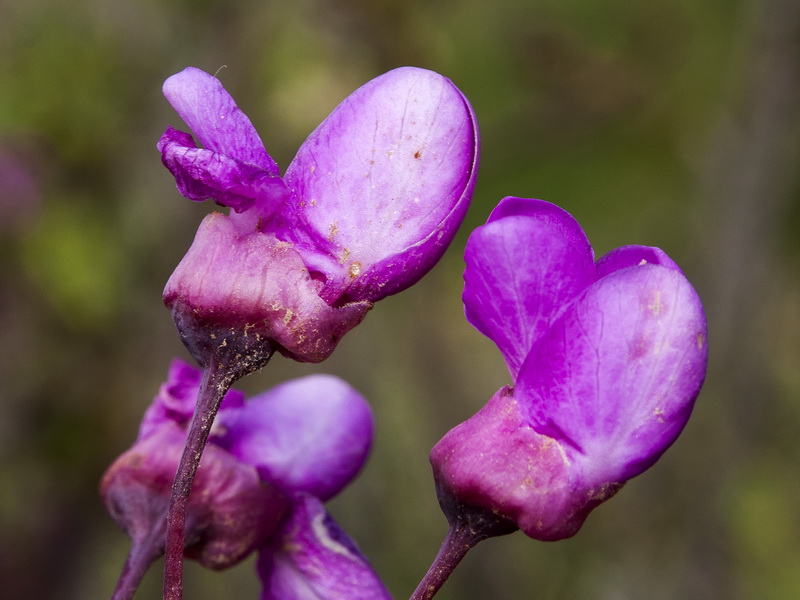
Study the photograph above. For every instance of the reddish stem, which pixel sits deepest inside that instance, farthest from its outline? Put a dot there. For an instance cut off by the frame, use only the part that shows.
(468, 526)
(142, 555)
(460, 539)
(217, 379)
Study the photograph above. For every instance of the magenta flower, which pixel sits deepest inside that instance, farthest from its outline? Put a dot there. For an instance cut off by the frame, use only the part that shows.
(367, 207)
(606, 358)
(267, 458)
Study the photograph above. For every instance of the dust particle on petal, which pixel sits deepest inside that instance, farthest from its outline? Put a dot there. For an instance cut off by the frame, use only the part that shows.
(701, 340)
(654, 303)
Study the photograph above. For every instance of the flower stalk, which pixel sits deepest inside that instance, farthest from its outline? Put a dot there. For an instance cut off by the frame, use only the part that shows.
(216, 382)
(224, 366)
(468, 526)
(139, 559)
(458, 542)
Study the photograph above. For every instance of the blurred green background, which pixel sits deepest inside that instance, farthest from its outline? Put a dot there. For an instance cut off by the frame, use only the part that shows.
(669, 123)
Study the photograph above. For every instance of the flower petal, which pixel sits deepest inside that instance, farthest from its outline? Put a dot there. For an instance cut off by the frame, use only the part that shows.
(383, 183)
(177, 398)
(634, 256)
(521, 271)
(496, 461)
(210, 112)
(547, 212)
(202, 174)
(258, 285)
(309, 435)
(230, 511)
(615, 378)
(313, 559)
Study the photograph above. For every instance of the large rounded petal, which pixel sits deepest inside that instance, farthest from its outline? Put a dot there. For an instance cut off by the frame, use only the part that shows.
(521, 272)
(615, 378)
(313, 559)
(382, 184)
(307, 435)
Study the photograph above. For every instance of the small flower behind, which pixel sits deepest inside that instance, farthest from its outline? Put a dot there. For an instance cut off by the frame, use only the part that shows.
(607, 359)
(268, 460)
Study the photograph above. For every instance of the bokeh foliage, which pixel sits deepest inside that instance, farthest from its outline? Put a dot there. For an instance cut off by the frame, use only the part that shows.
(673, 123)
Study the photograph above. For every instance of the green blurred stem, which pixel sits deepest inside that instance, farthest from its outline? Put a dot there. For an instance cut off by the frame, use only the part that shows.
(217, 379)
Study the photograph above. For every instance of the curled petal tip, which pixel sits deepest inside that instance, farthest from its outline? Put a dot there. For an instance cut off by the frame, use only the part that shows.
(201, 174)
(211, 113)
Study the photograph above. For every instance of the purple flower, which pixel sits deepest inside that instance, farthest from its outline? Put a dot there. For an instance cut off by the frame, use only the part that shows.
(313, 559)
(366, 208)
(369, 204)
(269, 461)
(607, 359)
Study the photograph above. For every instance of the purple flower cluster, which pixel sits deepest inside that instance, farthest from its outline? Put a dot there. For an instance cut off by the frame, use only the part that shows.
(270, 463)
(606, 357)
